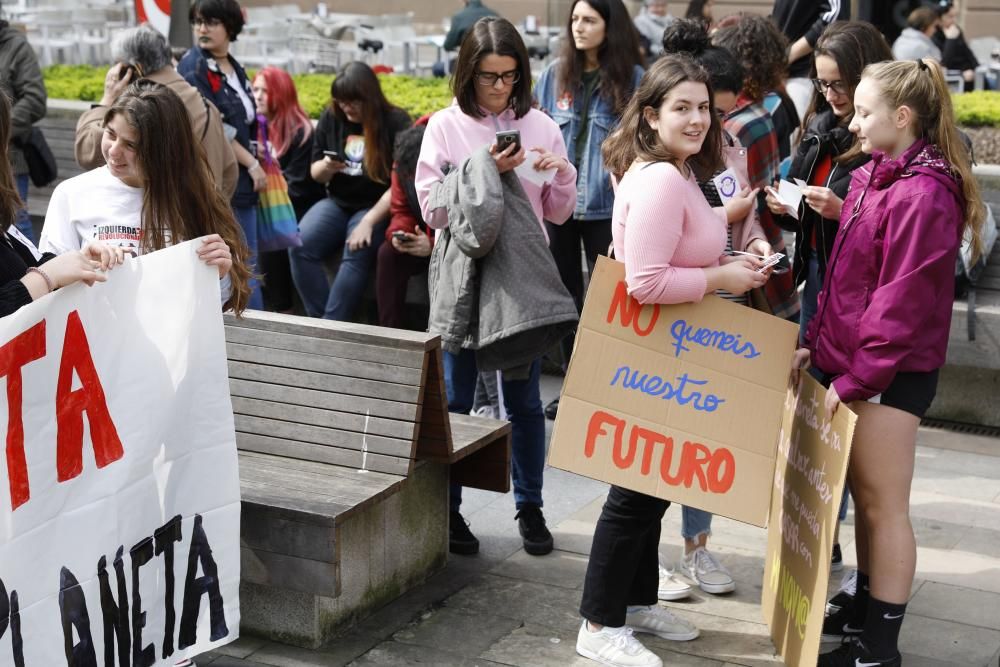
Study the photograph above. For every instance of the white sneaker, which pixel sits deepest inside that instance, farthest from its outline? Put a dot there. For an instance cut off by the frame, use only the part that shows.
(702, 568)
(658, 621)
(670, 587)
(615, 647)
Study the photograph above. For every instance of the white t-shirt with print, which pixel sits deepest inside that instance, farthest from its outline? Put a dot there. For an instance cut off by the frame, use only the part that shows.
(94, 206)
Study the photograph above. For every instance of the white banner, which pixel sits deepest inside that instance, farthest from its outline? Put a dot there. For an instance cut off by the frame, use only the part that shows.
(119, 490)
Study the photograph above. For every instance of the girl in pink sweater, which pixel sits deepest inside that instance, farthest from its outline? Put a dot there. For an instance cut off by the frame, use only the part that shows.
(672, 243)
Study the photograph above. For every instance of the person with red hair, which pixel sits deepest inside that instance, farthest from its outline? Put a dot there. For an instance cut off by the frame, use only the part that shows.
(289, 133)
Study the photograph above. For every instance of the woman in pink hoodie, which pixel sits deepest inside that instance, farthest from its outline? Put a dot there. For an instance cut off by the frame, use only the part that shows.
(880, 332)
(492, 86)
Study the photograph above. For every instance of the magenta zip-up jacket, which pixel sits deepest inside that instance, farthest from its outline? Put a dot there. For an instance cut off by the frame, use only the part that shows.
(889, 287)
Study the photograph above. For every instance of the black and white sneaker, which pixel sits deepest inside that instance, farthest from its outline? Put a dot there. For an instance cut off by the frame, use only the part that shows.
(837, 559)
(837, 626)
(845, 595)
(854, 654)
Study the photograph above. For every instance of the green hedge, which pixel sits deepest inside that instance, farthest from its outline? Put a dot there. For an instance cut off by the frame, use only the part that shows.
(418, 96)
(423, 95)
(978, 109)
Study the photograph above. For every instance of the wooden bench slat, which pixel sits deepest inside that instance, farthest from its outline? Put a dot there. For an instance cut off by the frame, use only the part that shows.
(352, 459)
(342, 421)
(329, 365)
(276, 428)
(297, 483)
(331, 348)
(321, 399)
(378, 480)
(296, 507)
(345, 331)
(323, 382)
(345, 485)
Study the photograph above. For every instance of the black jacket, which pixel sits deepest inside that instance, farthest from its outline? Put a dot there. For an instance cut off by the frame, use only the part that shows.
(955, 53)
(807, 18)
(823, 137)
(15, 259)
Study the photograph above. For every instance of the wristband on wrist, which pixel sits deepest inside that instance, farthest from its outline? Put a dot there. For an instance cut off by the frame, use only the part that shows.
(45, 277)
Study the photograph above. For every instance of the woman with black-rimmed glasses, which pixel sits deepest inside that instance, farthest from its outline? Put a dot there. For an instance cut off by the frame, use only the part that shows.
(828, 152)
(492, 86)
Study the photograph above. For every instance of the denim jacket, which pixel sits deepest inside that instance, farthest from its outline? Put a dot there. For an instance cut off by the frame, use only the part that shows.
(594, 196)
(201, 71)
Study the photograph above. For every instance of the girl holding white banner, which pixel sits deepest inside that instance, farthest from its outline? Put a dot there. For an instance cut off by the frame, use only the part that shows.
(25, 273)
(155, 190)
(672, 244)
(881, 328)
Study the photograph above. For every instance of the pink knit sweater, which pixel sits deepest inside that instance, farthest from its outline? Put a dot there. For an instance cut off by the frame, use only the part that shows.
(666, 233)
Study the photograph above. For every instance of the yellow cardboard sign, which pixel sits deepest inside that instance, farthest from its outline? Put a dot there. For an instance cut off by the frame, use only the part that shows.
(809, 477)
(682, 402)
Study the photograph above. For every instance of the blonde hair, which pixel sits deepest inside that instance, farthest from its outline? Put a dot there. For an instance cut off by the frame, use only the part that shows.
(920, 85)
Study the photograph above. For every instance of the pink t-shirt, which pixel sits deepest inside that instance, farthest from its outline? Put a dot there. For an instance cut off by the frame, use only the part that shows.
(666, 233)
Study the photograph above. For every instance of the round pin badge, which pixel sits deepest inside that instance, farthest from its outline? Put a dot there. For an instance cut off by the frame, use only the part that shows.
(727, 186)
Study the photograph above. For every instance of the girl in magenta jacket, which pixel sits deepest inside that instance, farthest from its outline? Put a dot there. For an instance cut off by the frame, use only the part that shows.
(881, 328)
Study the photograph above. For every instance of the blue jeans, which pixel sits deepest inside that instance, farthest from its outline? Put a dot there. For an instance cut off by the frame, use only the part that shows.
(810, 293)
(523, 402)
(22, 220)
(324, 230)
(695, 522)
(247, 217)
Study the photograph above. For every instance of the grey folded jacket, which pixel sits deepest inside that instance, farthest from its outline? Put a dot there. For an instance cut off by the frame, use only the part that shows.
(494, 287)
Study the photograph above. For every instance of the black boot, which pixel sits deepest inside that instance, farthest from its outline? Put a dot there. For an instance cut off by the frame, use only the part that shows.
(531, 524)
(461, 540)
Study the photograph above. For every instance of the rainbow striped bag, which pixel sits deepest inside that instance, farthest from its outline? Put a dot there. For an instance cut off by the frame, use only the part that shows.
(277, 228)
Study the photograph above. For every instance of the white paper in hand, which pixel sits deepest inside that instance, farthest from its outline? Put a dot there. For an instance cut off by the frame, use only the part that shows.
(727, 184)
(528, 173)
(789, 194)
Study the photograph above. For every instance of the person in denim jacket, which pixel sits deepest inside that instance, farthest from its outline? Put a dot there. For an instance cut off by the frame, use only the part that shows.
(209, 67)
(584, 91)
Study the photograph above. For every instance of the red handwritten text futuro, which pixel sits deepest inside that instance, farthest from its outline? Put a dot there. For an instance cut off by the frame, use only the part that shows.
(714, 470)
(70, 405)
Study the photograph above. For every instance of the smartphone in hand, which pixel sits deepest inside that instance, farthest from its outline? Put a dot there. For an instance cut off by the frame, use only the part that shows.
(507, 138)
(400, 236)
(335, 156)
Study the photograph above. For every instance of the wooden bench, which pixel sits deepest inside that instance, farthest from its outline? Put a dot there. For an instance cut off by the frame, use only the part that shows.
(346, 448)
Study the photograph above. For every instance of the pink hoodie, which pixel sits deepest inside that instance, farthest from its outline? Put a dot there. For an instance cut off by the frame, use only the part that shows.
(452, 136)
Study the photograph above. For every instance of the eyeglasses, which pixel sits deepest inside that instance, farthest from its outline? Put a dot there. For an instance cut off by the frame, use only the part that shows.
(208, 23)
(491, 78)
(821, 86)
(349, 104)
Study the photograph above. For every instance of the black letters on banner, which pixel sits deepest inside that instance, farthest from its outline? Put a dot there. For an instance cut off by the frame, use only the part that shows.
(165, 536)
(115, 615)
(10, 613)
(194, 588)
(142, 656)
(73, 610)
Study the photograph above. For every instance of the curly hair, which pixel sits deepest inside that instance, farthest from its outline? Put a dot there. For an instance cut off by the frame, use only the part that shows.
(760, 47)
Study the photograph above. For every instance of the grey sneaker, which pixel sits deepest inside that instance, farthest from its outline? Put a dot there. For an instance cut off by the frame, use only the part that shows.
(670, 587)
(658, 621)
(701, 567)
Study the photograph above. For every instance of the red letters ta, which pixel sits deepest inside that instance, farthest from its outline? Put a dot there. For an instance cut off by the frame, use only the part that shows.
(71, 404)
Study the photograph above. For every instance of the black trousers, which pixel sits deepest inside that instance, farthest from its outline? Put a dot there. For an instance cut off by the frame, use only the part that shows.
(624, 557)
(564, 243)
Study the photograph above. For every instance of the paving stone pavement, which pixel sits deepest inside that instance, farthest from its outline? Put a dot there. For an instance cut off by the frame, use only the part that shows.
(506, 608)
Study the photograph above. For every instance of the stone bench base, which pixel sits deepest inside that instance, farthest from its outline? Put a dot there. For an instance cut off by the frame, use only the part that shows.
(387, 548)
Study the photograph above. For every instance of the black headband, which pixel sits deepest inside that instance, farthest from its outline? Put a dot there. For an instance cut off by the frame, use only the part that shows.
(922, 64)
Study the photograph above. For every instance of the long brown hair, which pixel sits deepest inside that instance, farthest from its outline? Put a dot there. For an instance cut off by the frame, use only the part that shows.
(920, 85)
(617, 56)
(10, 201)
(853, 45)
(179, 199)
(635, 139)
(356, 82)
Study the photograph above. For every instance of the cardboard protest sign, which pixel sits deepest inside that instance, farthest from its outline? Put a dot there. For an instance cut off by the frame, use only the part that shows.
(119, 491)
(809, 478)
(682, 402)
